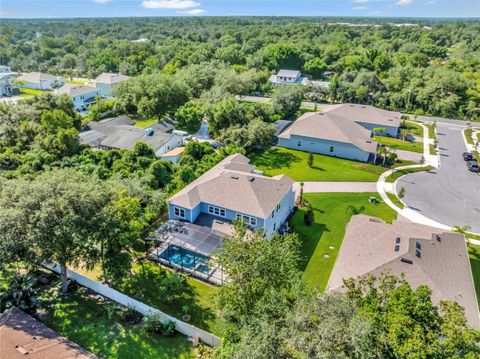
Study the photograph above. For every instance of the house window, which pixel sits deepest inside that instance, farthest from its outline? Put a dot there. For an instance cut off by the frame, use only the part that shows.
(278, 207)
(217, 211)
(249, 221)
(273, 213)
(179, 212)
(331, 148)
(274, 226)
(299, 144)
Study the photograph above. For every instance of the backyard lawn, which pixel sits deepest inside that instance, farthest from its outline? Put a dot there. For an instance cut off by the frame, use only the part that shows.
(293, 163)
(26, 92)
(414, 128)
(88, 323)
(399, 144)
(143, 122)
(474, 254)
(321, 241)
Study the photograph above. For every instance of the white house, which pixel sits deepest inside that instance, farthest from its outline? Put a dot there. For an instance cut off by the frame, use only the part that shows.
(81, 95)
(288, 77)
(7, 77)
(41, 81)
(106, 82)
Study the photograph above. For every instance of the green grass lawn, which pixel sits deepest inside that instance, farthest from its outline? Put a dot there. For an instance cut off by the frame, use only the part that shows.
(199, 297)
(399, 144)
(293, 163)
(143, 122)
(474, 254)
(395, 200)
(331, 216)
(26, 92)
(415, 128)
(431, 131)
(77, 82)
(87, 323)
(399, 173)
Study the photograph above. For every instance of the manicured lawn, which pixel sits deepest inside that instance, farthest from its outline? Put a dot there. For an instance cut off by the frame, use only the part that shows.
(143, 122)
(77, 82)
(468, 136)
(26, 92)
(431, 131)
(395, 200)
(397, 174)
(432, 149)
(199, 297)
(87, 323)
(399, 144)
(415, 128)
(331, 211)
(293, 163)
(474, 254)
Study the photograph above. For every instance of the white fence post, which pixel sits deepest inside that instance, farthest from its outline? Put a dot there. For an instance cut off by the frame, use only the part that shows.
(125, 300)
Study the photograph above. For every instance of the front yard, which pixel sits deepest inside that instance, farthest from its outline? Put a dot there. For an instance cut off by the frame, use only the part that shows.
(321, 242)
(399, 144)
(276, 161)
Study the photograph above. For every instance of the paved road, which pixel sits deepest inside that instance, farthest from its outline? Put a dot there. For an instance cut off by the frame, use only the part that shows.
(451, 194)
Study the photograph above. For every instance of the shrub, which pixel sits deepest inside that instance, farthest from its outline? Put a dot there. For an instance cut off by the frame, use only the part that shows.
(153, 324)
(174, 287)
(308, 217)
(130, 315)
(168, 328)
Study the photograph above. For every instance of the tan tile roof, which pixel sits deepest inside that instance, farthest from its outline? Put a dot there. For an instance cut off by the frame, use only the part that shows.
(22, 336)
(174, 152)
(231, 184)
(110, 78)
(369, 248)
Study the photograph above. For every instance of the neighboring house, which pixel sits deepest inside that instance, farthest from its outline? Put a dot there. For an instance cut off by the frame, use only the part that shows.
(81, 95)
(423, 254)
(288, 77)
(22, 336)
(41, 81)
(173, 155)
(7, 78)
(233, 190)
(120, 133)
(106, 82)
(341, 131)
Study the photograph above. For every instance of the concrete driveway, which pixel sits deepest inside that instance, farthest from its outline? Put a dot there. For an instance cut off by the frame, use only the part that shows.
(451, 194)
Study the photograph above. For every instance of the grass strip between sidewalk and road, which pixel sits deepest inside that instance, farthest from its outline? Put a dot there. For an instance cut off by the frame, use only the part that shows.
(399, 173)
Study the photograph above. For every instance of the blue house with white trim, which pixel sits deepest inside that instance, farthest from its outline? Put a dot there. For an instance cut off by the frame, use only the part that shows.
(233, 190)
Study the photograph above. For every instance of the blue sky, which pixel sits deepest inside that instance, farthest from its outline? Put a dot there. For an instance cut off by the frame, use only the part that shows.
(117, 8)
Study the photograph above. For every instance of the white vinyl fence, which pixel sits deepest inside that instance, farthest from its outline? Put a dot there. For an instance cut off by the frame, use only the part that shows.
(180, 326)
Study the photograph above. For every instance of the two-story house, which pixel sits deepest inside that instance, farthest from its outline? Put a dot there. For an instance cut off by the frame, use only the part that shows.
(233, 190)
(7, 78)
(81, 95)
(106, 83)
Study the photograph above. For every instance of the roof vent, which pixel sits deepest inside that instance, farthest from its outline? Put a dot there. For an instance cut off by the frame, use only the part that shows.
(251, 179)
(405, 260)
(234, 177)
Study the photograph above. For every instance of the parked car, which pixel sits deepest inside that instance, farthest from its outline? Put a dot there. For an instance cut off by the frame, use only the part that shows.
(467, 156)
(473, 168)
(472, 163)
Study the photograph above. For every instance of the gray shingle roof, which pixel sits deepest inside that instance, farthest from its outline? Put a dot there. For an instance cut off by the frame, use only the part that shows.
(367, 114)
(231, 184)
(288, 73)
(443, 265)
(75, 90)
(36, 77)
(110, 78)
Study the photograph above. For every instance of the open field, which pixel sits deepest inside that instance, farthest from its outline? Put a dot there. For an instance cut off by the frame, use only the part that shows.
(400, 144)
(293, 163)
(332, 212)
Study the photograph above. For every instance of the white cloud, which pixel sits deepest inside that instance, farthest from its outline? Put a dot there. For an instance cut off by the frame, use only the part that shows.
(192, 11)
(357, 8)
(361, 1)
(169, 4)
(431, 2)
(101, 1)
(404, 2)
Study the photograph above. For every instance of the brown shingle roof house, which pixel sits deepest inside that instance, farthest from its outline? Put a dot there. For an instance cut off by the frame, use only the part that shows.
(425, 255)
(23, 336)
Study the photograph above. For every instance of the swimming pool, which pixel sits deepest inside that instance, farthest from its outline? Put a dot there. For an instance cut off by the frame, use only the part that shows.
(185, 258)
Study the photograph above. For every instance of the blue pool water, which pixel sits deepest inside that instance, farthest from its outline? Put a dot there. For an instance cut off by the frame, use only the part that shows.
(185, 258)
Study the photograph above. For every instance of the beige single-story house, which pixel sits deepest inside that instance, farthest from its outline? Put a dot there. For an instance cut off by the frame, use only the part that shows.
(41, 81)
